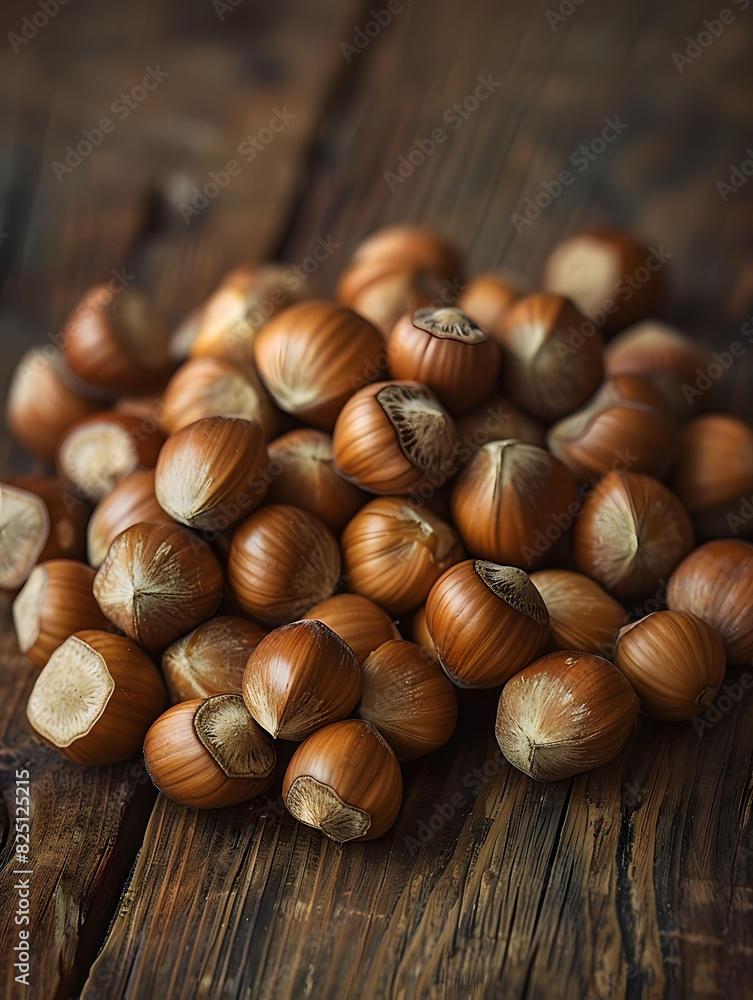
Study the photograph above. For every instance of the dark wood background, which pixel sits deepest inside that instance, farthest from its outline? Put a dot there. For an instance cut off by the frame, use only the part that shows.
(634, 881)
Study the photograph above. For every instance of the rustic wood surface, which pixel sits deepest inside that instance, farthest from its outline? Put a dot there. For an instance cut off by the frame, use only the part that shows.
(634, 881)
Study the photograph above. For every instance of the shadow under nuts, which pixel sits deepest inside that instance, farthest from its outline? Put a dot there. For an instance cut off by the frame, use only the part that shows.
(566, 713)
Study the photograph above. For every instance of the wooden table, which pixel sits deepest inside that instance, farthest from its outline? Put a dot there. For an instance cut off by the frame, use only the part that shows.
(633, 881)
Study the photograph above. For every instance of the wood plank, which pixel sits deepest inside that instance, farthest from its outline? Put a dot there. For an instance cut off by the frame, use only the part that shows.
(634, 880)
(225, 80)
(633, 874)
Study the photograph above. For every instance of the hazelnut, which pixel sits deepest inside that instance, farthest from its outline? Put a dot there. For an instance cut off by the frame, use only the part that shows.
(283, 560)
(211, 659)
(675, 662)
(95, 454)
(395, 438)
(210, 387)
(213, 472)
(114, 340)
(40, 407)
(132, 500)
(715, 465)
(662, 356)
(716, 583)
(507, 497)
(566, 713)
(96, 698)
(39, 520)
(157, 582)
(384, 290)
(486, 621)
(581, 614)
(24, 529)
(345, 781)
(495, 420)
(624, 425)
(445, 350)
(357, 620)
(408, 699)
(413, 247)
(56, 601)
(302, 471)
(209, 753)
(313, 356)
(300, 678)
(488, 297)
(552, 362)
(608, 275)
(394, 552)
(229, 321)
(632, 533)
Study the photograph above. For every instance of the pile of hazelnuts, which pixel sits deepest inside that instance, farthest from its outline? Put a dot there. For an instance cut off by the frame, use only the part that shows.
(307, 520)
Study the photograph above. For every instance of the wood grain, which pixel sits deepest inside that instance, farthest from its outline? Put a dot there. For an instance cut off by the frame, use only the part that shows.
(616, 884)
(633, 881)
(113, 211)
